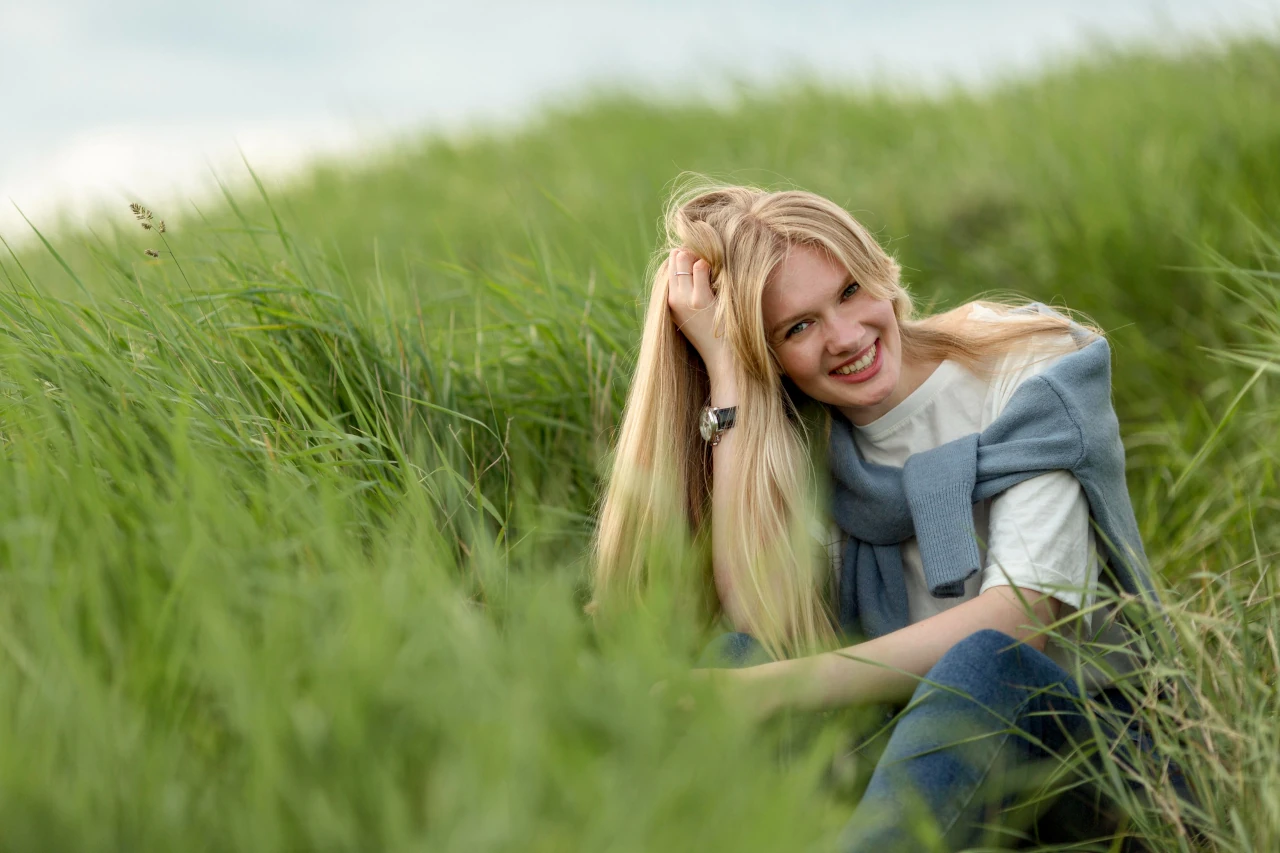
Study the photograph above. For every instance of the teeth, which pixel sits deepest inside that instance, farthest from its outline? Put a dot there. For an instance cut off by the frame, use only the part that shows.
(862, 363)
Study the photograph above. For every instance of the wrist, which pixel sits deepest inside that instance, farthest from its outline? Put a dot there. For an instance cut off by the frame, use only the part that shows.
(719, 366)
(724, 389)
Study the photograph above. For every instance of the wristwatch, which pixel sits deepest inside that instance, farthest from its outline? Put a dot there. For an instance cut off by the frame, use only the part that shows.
(714, 422)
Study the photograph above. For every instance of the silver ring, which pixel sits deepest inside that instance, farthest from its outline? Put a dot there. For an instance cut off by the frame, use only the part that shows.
(684, 273)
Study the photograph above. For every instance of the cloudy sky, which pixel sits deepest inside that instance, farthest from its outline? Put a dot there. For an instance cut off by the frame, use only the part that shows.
(104, 100)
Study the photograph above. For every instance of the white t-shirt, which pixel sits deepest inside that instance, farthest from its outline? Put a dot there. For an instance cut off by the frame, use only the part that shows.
(1034, 535)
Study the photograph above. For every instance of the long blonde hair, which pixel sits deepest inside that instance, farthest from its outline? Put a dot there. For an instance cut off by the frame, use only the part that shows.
(661, 469)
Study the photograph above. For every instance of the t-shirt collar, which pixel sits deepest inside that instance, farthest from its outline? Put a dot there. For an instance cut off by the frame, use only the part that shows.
(915, 401)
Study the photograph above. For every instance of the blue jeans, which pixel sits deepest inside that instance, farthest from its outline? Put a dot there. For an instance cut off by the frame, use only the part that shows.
(969, 742)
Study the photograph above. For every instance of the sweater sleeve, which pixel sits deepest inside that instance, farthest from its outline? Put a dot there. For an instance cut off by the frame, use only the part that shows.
(1039, 534)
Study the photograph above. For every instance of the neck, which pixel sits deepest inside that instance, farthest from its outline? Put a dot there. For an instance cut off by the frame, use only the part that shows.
(913, 374)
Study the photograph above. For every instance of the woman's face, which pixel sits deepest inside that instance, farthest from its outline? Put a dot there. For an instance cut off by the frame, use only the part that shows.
(838, 345)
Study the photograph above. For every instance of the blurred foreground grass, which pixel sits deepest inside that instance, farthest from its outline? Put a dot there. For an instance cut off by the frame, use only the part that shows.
(291, 520)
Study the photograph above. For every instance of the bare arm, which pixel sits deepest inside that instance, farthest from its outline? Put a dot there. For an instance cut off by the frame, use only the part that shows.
(692, 305)
(835, 679)
(726, 468)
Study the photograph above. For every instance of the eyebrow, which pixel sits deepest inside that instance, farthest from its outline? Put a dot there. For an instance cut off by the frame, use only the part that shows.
(784, 325)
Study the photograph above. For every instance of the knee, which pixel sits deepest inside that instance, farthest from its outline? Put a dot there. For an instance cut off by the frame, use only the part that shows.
(985, 644)
(731, 649)
(978, 661)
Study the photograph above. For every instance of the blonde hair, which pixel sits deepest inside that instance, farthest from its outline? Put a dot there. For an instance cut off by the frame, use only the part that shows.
(661, 469)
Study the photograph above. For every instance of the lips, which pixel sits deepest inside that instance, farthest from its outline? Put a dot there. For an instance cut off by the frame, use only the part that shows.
(862, 355)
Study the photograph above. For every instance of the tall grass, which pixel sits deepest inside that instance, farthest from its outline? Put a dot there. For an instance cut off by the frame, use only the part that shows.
(292, 516)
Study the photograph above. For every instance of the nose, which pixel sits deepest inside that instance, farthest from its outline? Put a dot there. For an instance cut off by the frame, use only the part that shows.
(844, 335)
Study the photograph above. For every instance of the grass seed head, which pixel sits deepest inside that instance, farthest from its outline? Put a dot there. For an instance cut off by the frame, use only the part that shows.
(152, 253)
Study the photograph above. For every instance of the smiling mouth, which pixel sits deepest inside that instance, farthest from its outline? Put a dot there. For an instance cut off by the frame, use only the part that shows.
(860, 363)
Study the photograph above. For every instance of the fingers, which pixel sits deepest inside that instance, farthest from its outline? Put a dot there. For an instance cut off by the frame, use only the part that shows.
(662, 688)
(701, 278)
(677, 289)
(688, 281)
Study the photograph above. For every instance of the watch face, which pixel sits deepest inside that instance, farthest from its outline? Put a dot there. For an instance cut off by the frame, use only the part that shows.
(707, 424)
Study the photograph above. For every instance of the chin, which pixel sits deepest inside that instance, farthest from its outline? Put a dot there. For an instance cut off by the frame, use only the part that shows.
(873, 394)
(866, 402)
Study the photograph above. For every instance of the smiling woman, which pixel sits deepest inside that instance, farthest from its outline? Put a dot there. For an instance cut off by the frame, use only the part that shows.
(971, 454)
(760, 303)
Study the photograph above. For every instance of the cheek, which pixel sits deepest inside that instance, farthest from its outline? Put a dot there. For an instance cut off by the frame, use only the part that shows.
(888, 324)
(802, 362)
(893, 351)
(887, 318)
(795, 363)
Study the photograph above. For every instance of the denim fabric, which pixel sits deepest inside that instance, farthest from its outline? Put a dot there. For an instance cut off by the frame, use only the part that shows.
(732, 650)
(968, 743)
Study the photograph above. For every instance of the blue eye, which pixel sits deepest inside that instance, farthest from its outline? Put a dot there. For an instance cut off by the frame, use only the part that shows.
(851, 289)
(798, 327)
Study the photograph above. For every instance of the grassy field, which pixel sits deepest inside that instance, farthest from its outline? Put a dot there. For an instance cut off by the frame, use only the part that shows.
(292, 516)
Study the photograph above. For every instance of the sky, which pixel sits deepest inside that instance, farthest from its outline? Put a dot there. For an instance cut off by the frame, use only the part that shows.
(104, 102)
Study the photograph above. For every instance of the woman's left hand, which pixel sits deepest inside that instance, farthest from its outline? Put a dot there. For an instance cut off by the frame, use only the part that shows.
(685, 702)
(745, 688)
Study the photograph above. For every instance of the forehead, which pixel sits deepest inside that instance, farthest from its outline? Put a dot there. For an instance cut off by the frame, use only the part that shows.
(805, 277)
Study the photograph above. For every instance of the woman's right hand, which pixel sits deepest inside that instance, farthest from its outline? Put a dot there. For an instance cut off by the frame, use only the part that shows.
(692, 305)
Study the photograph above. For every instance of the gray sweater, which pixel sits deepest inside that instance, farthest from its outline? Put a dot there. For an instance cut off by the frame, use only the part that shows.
(1061, 419)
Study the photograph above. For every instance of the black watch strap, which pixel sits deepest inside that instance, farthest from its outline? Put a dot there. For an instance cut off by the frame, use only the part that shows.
(724, 418)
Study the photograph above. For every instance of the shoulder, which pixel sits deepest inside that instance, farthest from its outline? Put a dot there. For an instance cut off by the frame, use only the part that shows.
(1015, 357)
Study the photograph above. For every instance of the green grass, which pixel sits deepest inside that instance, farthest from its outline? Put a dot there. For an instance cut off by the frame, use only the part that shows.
(292, 519)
